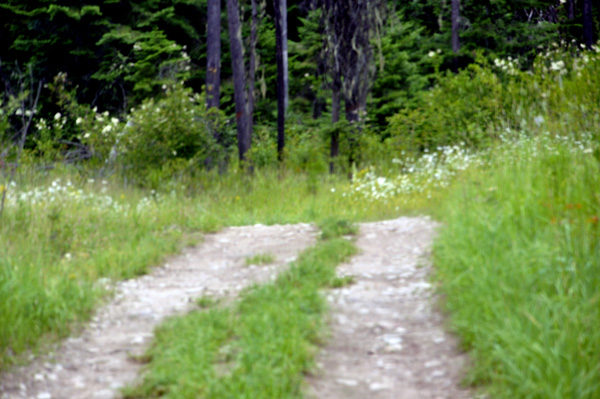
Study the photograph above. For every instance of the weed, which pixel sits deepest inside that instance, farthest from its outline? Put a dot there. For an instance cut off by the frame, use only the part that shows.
(340, 282)
(331, 228)
(206, 301)
(260, 259)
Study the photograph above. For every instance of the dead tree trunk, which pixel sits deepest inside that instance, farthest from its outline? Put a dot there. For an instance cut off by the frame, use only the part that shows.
(571, 9)
(336, 89)
(213, 54)
(244, 132)
(588, 24)
(284, 42)
(252, 66)
(282, 74)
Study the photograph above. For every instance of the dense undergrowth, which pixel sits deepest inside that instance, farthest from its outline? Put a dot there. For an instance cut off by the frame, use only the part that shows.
(508, 160)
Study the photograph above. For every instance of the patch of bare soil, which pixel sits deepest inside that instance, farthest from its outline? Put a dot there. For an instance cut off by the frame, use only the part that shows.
(387, 338)
(95, 364)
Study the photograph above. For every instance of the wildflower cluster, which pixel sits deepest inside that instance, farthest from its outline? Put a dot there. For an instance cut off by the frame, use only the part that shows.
(562, 58)
(66, 194)
(436, 170)
(419, 175)
(100, 131)
(509, 65)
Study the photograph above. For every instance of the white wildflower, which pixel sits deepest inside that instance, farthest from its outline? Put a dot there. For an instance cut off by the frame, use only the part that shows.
(538, 120)
(557, 66)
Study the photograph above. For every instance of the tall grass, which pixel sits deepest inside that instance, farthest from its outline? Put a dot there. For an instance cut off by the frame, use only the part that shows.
(519, 262)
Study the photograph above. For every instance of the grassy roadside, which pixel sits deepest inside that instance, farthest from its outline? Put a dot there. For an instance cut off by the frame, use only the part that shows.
(519, 262)
(60, 235)
(258, 348)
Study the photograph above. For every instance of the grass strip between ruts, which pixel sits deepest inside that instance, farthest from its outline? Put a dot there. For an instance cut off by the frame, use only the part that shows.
(261, 346)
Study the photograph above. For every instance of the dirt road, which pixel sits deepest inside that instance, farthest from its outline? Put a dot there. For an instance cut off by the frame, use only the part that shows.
(387, 339)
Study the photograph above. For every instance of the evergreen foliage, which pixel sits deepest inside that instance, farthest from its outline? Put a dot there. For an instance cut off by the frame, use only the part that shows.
(116, 55)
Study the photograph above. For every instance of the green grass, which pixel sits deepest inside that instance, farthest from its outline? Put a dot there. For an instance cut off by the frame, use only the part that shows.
(340, 282)
(260, 259)
(261, 347)
(519, 263)
(205, 302)
(332, 227)
(52, 252)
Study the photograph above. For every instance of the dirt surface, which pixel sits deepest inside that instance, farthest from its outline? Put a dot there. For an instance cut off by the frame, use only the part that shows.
(387, 340)
(97, 363)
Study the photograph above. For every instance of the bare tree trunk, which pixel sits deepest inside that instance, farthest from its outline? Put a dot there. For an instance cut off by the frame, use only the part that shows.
(284, 38)
(353, 116)
(244, 132)
(588, 24)
(336, 89)
(24, 131)
(213, 54)
(252, 66)
(282, 78)
(455, 37)
(571, 9)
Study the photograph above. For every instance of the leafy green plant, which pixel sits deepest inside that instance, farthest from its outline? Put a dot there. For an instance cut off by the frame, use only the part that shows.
(170, 130)
(461, 108)
(260, 259)
(340, 282)
(205, 302)
(263, 153)
(334, 227)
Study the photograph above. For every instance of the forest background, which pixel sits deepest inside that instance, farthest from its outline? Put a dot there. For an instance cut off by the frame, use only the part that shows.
(127, 127)
(377, 58)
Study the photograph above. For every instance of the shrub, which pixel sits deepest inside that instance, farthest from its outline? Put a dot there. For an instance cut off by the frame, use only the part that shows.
(479, 104)
(174, 128)
(459, 109)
